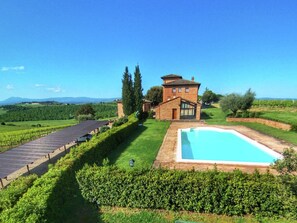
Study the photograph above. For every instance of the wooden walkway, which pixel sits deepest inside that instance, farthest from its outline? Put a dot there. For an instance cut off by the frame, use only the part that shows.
(16, 158)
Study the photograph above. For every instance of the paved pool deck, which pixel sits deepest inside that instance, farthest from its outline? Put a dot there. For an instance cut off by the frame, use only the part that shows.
(166, 157)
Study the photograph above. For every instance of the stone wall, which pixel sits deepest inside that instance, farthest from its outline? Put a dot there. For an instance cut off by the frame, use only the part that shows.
(274, 124)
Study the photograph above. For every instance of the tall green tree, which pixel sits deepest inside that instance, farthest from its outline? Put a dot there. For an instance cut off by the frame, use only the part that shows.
(155, 94)
(127, 93)
(209, 97)
(138, 96)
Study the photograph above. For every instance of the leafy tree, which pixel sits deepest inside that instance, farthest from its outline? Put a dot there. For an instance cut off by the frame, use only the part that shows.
(127, 93)
(86, 109)
(209, 97)
(247, 100)
(138, 89)
(235, 102)
(155, 94)
(231, 102)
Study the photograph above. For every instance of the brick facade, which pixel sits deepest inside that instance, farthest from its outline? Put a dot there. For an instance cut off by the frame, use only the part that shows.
(170, 92)
(165, 110)
(180, 99)
(146, 106)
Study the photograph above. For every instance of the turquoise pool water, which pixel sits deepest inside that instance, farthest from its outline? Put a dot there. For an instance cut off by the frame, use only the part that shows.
(215, 145)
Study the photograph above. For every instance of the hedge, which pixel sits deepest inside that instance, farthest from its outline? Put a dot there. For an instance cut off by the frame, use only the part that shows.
(12, 193)
(51, 197)
(216, 192)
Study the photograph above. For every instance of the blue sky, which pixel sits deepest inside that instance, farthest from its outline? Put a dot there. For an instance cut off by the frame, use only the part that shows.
(54, 48)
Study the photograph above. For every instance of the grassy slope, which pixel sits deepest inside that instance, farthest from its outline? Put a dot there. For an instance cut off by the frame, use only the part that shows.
(216, 116)
(142, 146)
(283, 116)
(28, 124)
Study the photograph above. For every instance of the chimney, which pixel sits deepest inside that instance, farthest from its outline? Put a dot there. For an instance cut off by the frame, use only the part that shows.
(192, 78)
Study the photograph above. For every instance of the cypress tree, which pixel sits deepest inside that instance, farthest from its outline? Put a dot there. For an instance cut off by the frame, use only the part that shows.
(138, 89)
(127, 93)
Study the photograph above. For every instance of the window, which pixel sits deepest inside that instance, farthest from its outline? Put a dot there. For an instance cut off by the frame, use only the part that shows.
(179, 89)
(187, 110)
(187, 90)
(173, 90)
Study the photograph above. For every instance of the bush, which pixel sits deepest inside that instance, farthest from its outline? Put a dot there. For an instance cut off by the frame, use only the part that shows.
(81, 118)
(238, 114)
(294, 127)
(252, 114)
(104, 128)
(120, 121)
(2, 123)
(151, 114)
(216, 192)
(257, 114)
(245, 115)
(51, 197)
(12, 193)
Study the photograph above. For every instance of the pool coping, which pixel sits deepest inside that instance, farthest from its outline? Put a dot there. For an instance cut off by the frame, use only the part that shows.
(232, 131)
(166, 157)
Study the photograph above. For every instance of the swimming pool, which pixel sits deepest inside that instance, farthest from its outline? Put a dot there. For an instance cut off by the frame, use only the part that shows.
(214, 145)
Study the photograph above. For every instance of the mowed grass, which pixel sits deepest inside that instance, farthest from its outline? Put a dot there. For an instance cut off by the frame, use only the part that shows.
(282, 116)
(15, 126)
(129, 215)
(142, 146)
(215, 116)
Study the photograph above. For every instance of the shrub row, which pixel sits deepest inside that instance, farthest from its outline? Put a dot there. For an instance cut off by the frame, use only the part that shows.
(52, 197)
(12, 193)
(247, 114)
(216, 192)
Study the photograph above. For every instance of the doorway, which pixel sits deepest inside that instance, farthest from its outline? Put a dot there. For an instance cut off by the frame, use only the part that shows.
(174, 113)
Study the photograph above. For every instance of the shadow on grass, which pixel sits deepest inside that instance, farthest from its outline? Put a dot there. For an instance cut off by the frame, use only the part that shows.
(114, 155)
(65, 203)
(205, 115)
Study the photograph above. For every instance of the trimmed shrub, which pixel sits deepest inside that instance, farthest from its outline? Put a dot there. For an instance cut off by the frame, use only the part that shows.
(12, 193)
(51, 197)
(120, 121)
(294, 128)
(104, 128)
(216, 192)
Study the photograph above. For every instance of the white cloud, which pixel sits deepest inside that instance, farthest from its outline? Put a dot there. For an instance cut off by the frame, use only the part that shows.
(9, 87)
(39, 85)
(55, 89)
(17, 68)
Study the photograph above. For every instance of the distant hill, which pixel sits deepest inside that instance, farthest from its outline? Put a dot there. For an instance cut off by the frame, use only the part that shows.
(66, 100)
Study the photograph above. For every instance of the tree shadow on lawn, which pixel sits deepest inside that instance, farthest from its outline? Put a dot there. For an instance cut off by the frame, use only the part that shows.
(65, 203)
(115, 154)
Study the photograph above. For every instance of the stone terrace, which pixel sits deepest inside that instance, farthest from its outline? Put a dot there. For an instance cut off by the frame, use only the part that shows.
(167, 154)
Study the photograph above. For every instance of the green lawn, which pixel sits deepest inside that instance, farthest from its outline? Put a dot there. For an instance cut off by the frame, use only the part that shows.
(216, 116)
(282, 116)
(128, 215)
(142, 146)
(14, 126)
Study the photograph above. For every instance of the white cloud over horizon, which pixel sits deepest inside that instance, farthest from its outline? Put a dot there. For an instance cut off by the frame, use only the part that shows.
(16, 68)
(55, 89)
